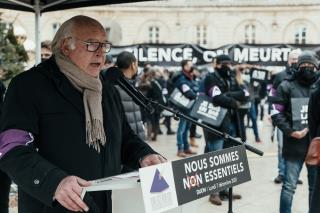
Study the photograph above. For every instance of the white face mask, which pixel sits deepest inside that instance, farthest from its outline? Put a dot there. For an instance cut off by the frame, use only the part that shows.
(246, 77)
(255, 84)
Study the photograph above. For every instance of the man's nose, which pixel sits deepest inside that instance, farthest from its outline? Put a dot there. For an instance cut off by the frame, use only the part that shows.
(99, 51)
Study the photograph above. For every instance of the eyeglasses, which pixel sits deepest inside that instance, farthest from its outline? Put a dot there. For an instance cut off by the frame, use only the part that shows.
(93, 46)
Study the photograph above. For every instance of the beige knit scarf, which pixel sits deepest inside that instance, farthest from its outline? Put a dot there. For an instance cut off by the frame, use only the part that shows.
(91, 88)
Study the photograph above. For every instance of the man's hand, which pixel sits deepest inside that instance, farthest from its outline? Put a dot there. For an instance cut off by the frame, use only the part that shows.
(299, 134)
(68, 193)
(152, 160)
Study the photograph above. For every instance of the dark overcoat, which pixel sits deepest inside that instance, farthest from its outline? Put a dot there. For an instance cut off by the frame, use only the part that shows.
(43, 102)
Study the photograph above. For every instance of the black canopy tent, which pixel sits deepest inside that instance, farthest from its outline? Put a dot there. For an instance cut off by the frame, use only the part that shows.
(40, 6)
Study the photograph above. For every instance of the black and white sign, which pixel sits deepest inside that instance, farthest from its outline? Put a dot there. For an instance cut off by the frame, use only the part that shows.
(202, 175)
(180, 101)
(204, 110)
(299, 107)
(168, 185)
(173, 54)
(260, 75)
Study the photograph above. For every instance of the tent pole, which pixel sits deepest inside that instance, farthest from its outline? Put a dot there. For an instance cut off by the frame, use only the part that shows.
(37, 31)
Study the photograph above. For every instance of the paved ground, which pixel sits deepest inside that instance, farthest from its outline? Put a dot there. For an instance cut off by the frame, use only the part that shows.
(260, 195)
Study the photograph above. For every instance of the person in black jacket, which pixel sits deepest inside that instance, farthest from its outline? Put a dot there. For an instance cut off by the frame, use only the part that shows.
(314, 131)
(167, 88)
(62, 125)
(155, 93)
(278, 78)
(184, 81)
(296, 140)
(5, 181)
(128, 64)
(222, 86)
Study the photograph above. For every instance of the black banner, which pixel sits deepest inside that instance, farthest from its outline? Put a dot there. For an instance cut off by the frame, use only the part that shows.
(199, 176)
(173, 54)
(260, 75)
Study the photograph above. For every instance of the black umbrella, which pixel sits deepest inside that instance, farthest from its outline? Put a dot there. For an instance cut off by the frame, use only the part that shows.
(41, 6)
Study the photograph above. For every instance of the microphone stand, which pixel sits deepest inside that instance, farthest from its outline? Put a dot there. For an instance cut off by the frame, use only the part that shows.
(148, 105)
(226, 137)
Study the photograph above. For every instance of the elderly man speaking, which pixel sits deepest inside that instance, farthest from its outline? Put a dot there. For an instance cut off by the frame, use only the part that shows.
(62, 125)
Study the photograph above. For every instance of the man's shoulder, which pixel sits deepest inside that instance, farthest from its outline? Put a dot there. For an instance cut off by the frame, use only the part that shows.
(30, 76)
(213, 78)
(180, 79)
(282, 75)
(34, 78)
(287, 85)
(316, 90)
(112, 90)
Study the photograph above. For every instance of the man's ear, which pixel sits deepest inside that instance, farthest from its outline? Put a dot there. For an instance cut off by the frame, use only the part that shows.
(66, 46)
(132, 66)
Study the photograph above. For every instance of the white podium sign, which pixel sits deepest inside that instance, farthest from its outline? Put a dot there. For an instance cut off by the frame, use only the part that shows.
(158, 188)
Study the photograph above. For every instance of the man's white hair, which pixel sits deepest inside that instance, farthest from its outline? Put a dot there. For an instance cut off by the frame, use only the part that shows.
(67, 30)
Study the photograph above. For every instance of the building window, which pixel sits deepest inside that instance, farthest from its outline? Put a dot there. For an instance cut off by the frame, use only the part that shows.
(300, 35)
(250, 34)
(55, 27)
(201, 35)
(154, 34)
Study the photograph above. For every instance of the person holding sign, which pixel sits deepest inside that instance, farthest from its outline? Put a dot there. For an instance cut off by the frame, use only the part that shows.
(63, 125)
(276, 80)
(224, 90)
(185, 83)
(291, 116)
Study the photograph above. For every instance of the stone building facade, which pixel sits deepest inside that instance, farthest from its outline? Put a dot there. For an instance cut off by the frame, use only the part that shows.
(209, 23)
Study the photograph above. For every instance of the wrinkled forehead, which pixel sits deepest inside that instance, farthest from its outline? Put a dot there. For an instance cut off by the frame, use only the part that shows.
(90, 31)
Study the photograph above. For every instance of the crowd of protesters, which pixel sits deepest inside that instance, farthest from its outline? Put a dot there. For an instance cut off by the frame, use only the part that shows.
(158, 83)
(233, 87)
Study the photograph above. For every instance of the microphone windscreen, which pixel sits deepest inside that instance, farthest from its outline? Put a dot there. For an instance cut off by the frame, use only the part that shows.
(113, 74)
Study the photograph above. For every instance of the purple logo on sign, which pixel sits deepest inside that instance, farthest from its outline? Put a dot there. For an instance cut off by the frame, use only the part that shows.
(159, 184)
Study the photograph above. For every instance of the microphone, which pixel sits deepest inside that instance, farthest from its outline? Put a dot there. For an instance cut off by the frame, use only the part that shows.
(115, 75)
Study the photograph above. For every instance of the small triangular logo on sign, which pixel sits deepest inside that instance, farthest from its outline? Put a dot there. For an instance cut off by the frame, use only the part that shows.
(159, 184)
(216, 91)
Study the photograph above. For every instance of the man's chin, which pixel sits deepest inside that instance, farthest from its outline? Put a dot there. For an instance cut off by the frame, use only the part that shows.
(94, 72)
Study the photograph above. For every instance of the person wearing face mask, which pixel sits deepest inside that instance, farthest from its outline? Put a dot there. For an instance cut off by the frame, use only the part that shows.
(222, 86)
(278, 78)
(184, 81)
(295, 137)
